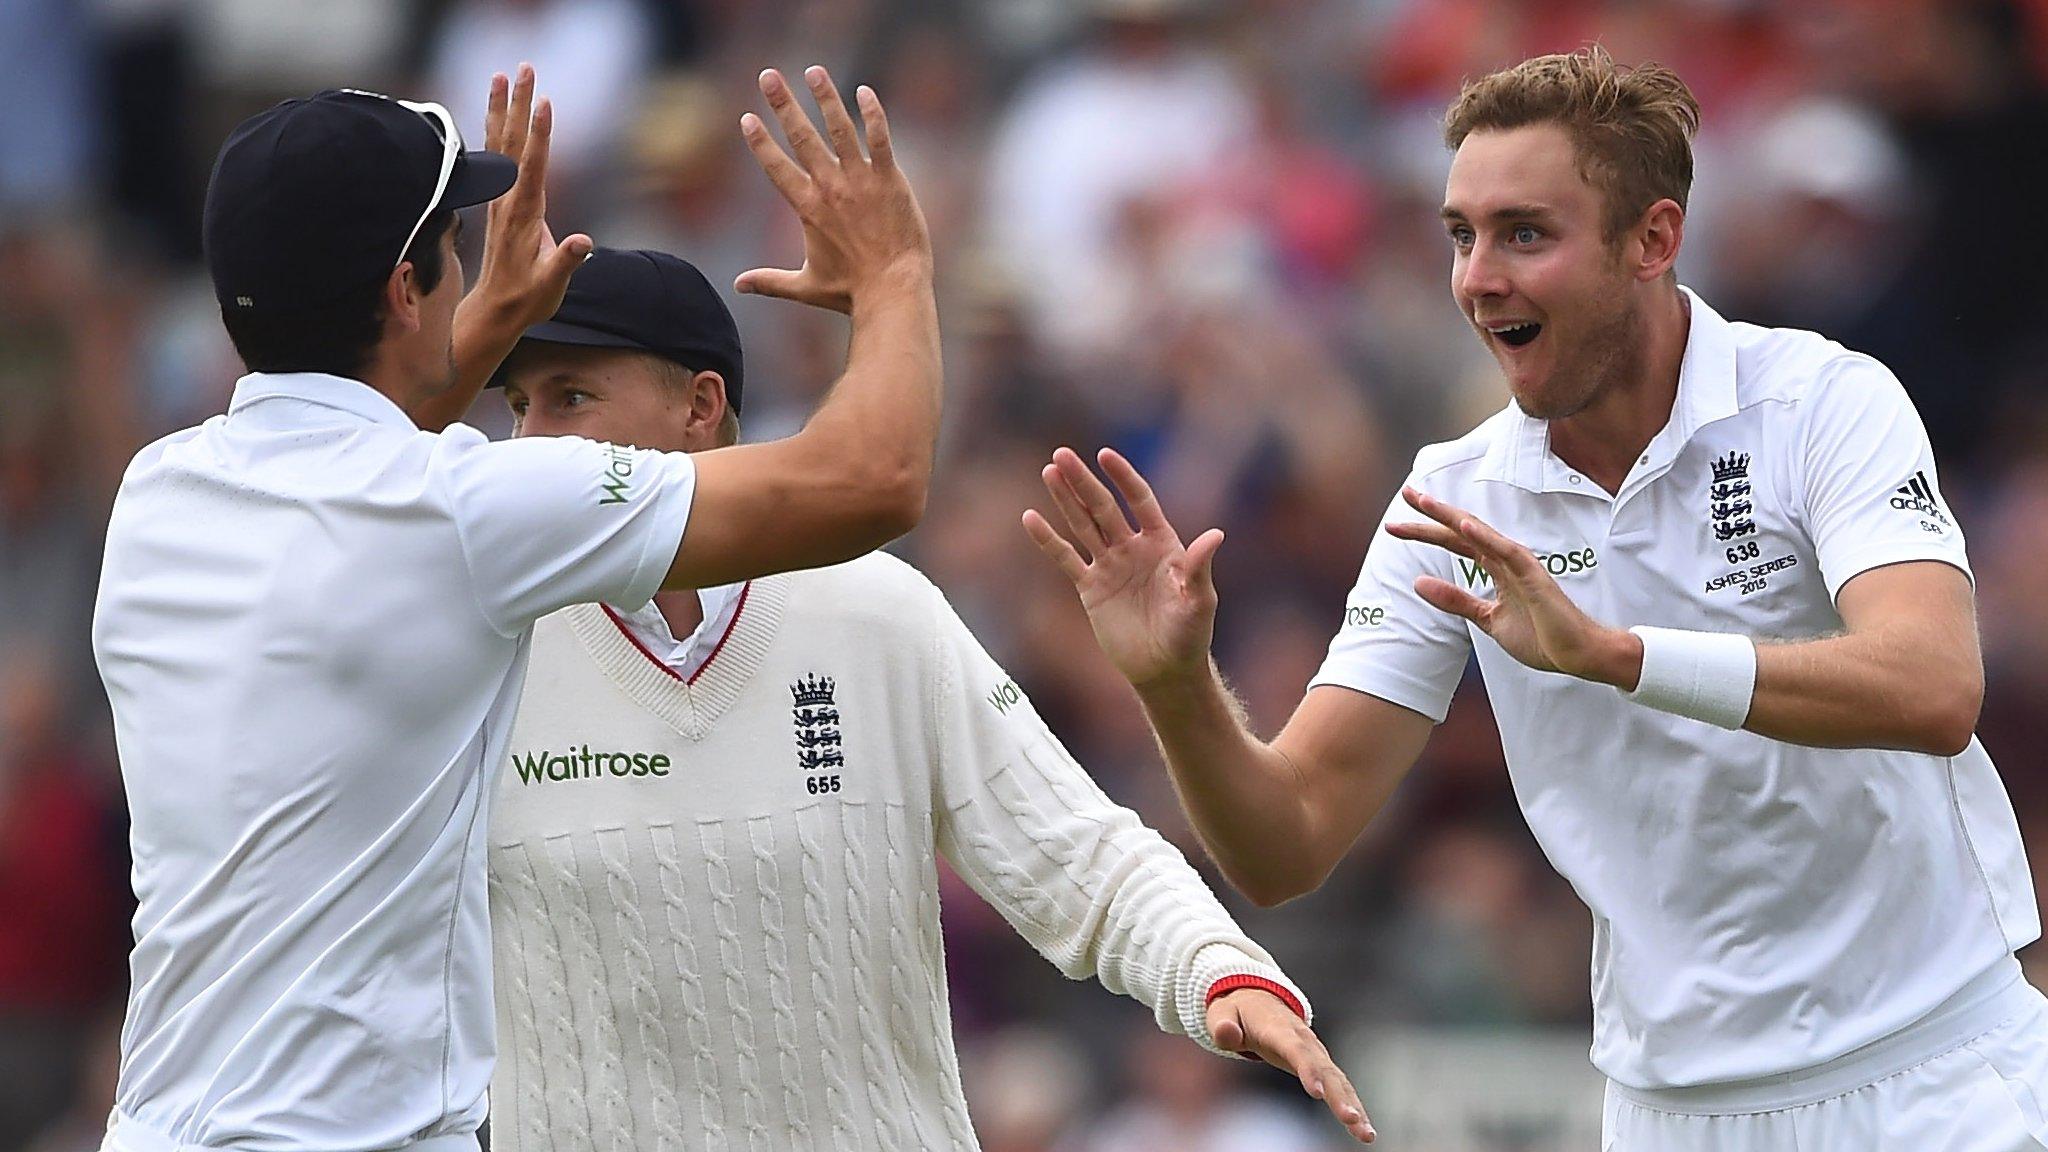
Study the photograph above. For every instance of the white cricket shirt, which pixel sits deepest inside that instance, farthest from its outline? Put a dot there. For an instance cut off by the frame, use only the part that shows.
(1758, 907)
(312, 625)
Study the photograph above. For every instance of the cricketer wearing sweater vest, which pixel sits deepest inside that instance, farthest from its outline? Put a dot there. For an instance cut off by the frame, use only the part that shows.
(714, 859)
(715, 897)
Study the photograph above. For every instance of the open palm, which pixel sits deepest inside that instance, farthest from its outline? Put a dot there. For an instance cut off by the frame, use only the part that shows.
(1529, 616)
(1150, 600)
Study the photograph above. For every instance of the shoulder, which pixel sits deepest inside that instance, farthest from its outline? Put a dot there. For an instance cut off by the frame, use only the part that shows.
(1449, 459)
(154, 452)
(878, 609)
(876, 588)
(1804, 369)
(461, 448)
(546, 475)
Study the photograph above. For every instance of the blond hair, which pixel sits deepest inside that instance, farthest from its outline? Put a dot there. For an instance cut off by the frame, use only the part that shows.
(1631, 128)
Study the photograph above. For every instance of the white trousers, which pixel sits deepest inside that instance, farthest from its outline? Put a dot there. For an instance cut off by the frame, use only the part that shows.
(1985, 1093)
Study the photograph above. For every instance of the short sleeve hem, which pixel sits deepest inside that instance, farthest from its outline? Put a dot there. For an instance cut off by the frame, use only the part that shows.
(1839, 570)
(1386, 684)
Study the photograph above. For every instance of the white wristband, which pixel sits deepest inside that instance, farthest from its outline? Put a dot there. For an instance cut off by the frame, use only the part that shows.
(1707, 676)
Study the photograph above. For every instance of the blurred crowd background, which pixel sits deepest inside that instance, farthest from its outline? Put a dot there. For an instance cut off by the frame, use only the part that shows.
(1202, 231)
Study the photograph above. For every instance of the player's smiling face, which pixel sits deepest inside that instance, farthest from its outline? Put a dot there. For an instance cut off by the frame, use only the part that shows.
(1532, 269)
(610, 394)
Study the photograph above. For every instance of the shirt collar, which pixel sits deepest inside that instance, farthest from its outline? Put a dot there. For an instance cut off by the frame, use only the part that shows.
(717, 604)
(1706, 393)
(337, 392)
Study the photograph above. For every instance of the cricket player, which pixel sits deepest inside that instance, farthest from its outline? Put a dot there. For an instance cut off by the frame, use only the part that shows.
(714, 880)
(316, 609)
(1726, 623)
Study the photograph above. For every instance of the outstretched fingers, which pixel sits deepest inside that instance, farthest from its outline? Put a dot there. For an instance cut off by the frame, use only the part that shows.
(1072, 510)
(1444, 513)
(529, 189)
(1479, 539)
(782, 171)
(838, 125)
(1300, 1051)
(1055, 546)
(1102, 507)
(1435, 534)
(1513, 558)
(881, 149)
(519, 113)
(1445, 596)
(1136, 491)
(1341, 1098)
(804, 141)
(494, 112)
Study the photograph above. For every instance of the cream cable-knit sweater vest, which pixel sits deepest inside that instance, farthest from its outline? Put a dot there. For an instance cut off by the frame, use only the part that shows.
(715, 904)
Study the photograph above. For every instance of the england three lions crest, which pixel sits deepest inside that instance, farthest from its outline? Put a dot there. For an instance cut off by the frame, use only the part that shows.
(815, 715)
(1729, 507)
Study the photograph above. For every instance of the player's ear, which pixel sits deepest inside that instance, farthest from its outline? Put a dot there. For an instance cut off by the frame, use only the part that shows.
(402, 297)
(1659, 234)
(707, 401)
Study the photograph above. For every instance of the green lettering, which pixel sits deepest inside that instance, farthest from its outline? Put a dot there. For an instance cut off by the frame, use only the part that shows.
(616, 476)
(580, 763)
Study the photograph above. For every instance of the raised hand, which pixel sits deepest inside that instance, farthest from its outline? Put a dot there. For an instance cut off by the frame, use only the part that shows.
(1256, 1022)
(863, 229)
(1529, 615)
(525, 271)
(1151, 601)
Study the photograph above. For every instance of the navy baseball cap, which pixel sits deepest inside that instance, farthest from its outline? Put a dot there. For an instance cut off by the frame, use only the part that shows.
(321, 196)
(651, 302)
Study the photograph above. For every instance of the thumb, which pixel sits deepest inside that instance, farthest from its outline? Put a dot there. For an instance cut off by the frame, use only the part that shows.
(570, 253)
(780, 282)
(1228, 1033)
(1201, 572)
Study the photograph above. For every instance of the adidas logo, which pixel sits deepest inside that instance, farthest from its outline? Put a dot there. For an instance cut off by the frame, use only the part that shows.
(1917, 495)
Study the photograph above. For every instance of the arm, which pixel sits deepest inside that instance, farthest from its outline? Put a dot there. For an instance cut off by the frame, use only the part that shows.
(525, 272)
(1277, 817)
(1092, 888)
(1905, 674)
(856, 476)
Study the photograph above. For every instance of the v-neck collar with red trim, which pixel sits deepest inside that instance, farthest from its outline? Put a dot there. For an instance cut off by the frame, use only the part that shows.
(739, 605)
(690, 706)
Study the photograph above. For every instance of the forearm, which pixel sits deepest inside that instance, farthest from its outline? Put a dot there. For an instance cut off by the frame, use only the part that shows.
(1888, 688)
(1245, 799)
(852, 480)
(1896, 686)
(880, 423)
(1093, 889)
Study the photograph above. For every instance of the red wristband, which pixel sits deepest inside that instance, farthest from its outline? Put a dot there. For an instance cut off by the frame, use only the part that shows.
(1244, 980)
